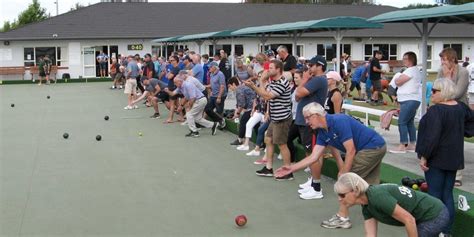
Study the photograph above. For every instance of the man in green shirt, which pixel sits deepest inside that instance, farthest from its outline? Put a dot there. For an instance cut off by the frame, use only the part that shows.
(420, 213)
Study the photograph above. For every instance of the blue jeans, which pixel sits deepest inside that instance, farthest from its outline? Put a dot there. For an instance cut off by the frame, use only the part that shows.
(406, 121)
(261, 133)
(440, 185)
(433, 227)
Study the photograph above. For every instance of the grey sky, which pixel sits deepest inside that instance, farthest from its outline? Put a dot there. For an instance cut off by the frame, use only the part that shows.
(9, 9)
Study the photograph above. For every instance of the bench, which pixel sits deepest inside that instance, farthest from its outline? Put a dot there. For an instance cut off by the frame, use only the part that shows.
(35, 71)
(13, 71)
(366, 110)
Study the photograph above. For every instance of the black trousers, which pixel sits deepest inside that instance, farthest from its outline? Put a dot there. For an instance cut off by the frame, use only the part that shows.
(243, 123)
(292, 135)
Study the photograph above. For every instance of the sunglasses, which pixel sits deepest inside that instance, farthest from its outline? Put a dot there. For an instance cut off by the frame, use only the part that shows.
(343, 195)
(433, 91)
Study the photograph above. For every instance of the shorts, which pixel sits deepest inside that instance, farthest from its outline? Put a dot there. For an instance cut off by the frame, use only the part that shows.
(367, 164)
(377, 85)
(130, 86)
(103, 65)
(163, 96)
(306, 135)
(278, 131)
(42, 74)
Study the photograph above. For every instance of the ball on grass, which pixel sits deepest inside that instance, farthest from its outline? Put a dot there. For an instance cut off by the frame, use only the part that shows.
(47, 97)
(12, 105)
(98, 137)
(65, 135)
(140, 134)
(106, 117)
(240, 220)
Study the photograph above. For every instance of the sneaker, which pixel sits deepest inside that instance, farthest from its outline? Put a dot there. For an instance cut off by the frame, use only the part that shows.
(214, 129)
(337, 222)
(236, 142)
(306, 184)
(265, 172)
(243, 148)
(222, 124)
(253, 153)
(285, 178)
(307, 170)
(128, 107)
(260, 162)
(311, 194)
(113, 88)
(305, 190)
(120, 87)
(397, 151)
(185, 123)
(155, 116)
(192, 134)
(279, 157)
(135, 106)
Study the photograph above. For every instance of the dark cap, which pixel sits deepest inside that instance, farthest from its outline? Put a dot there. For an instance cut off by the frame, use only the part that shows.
(318, 59)
(269, 53)
(187, 58)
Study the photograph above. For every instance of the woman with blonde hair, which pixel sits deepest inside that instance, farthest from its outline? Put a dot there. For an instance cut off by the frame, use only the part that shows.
(391, 204)
(440, 145)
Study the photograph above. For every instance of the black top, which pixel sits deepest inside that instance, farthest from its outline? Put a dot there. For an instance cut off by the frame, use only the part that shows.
(329, 105)
(175, 71)
(441, 136)
(289, 63)
(224, 67)
(374, 76)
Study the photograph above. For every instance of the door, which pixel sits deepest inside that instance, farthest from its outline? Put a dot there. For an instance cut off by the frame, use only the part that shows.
(88, 62)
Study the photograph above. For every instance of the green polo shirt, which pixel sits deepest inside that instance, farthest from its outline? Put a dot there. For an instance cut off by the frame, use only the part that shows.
(383, 198)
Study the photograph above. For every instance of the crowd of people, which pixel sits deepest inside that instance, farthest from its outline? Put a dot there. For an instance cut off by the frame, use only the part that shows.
(286, 100)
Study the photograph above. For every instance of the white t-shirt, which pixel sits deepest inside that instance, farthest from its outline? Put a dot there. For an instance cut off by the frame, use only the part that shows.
(411, 90)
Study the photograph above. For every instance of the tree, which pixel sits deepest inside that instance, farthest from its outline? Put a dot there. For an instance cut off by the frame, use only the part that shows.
(34, 13)
(420, 5)
(453, 2)
(6, 26)
(76, 6)
(347, 2)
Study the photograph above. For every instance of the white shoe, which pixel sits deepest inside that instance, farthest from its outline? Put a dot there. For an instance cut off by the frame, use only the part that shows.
(135, 107)
(305, 190)
(279, 157)
(184, 123)
(307, 183)
(243, 148)
(312, 194)
(253, 153)
(127, 107)
(307, 170)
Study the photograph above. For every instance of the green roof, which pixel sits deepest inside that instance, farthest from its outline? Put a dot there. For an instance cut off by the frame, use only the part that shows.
(343, 22)
(448, 13)
(209, 35)
(168, 39)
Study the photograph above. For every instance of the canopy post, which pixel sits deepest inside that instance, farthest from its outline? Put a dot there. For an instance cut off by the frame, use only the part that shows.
(424, 64)
(199, 44)
(338, 38)
(232, 55)
(295, 41)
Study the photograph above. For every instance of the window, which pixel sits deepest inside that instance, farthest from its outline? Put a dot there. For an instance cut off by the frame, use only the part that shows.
(29, 57)
(239, 49)
(156, 50)
(429, 56)
(389, 51)
(33, 55)
(329, 50)
(300, 50)
(456, 47)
